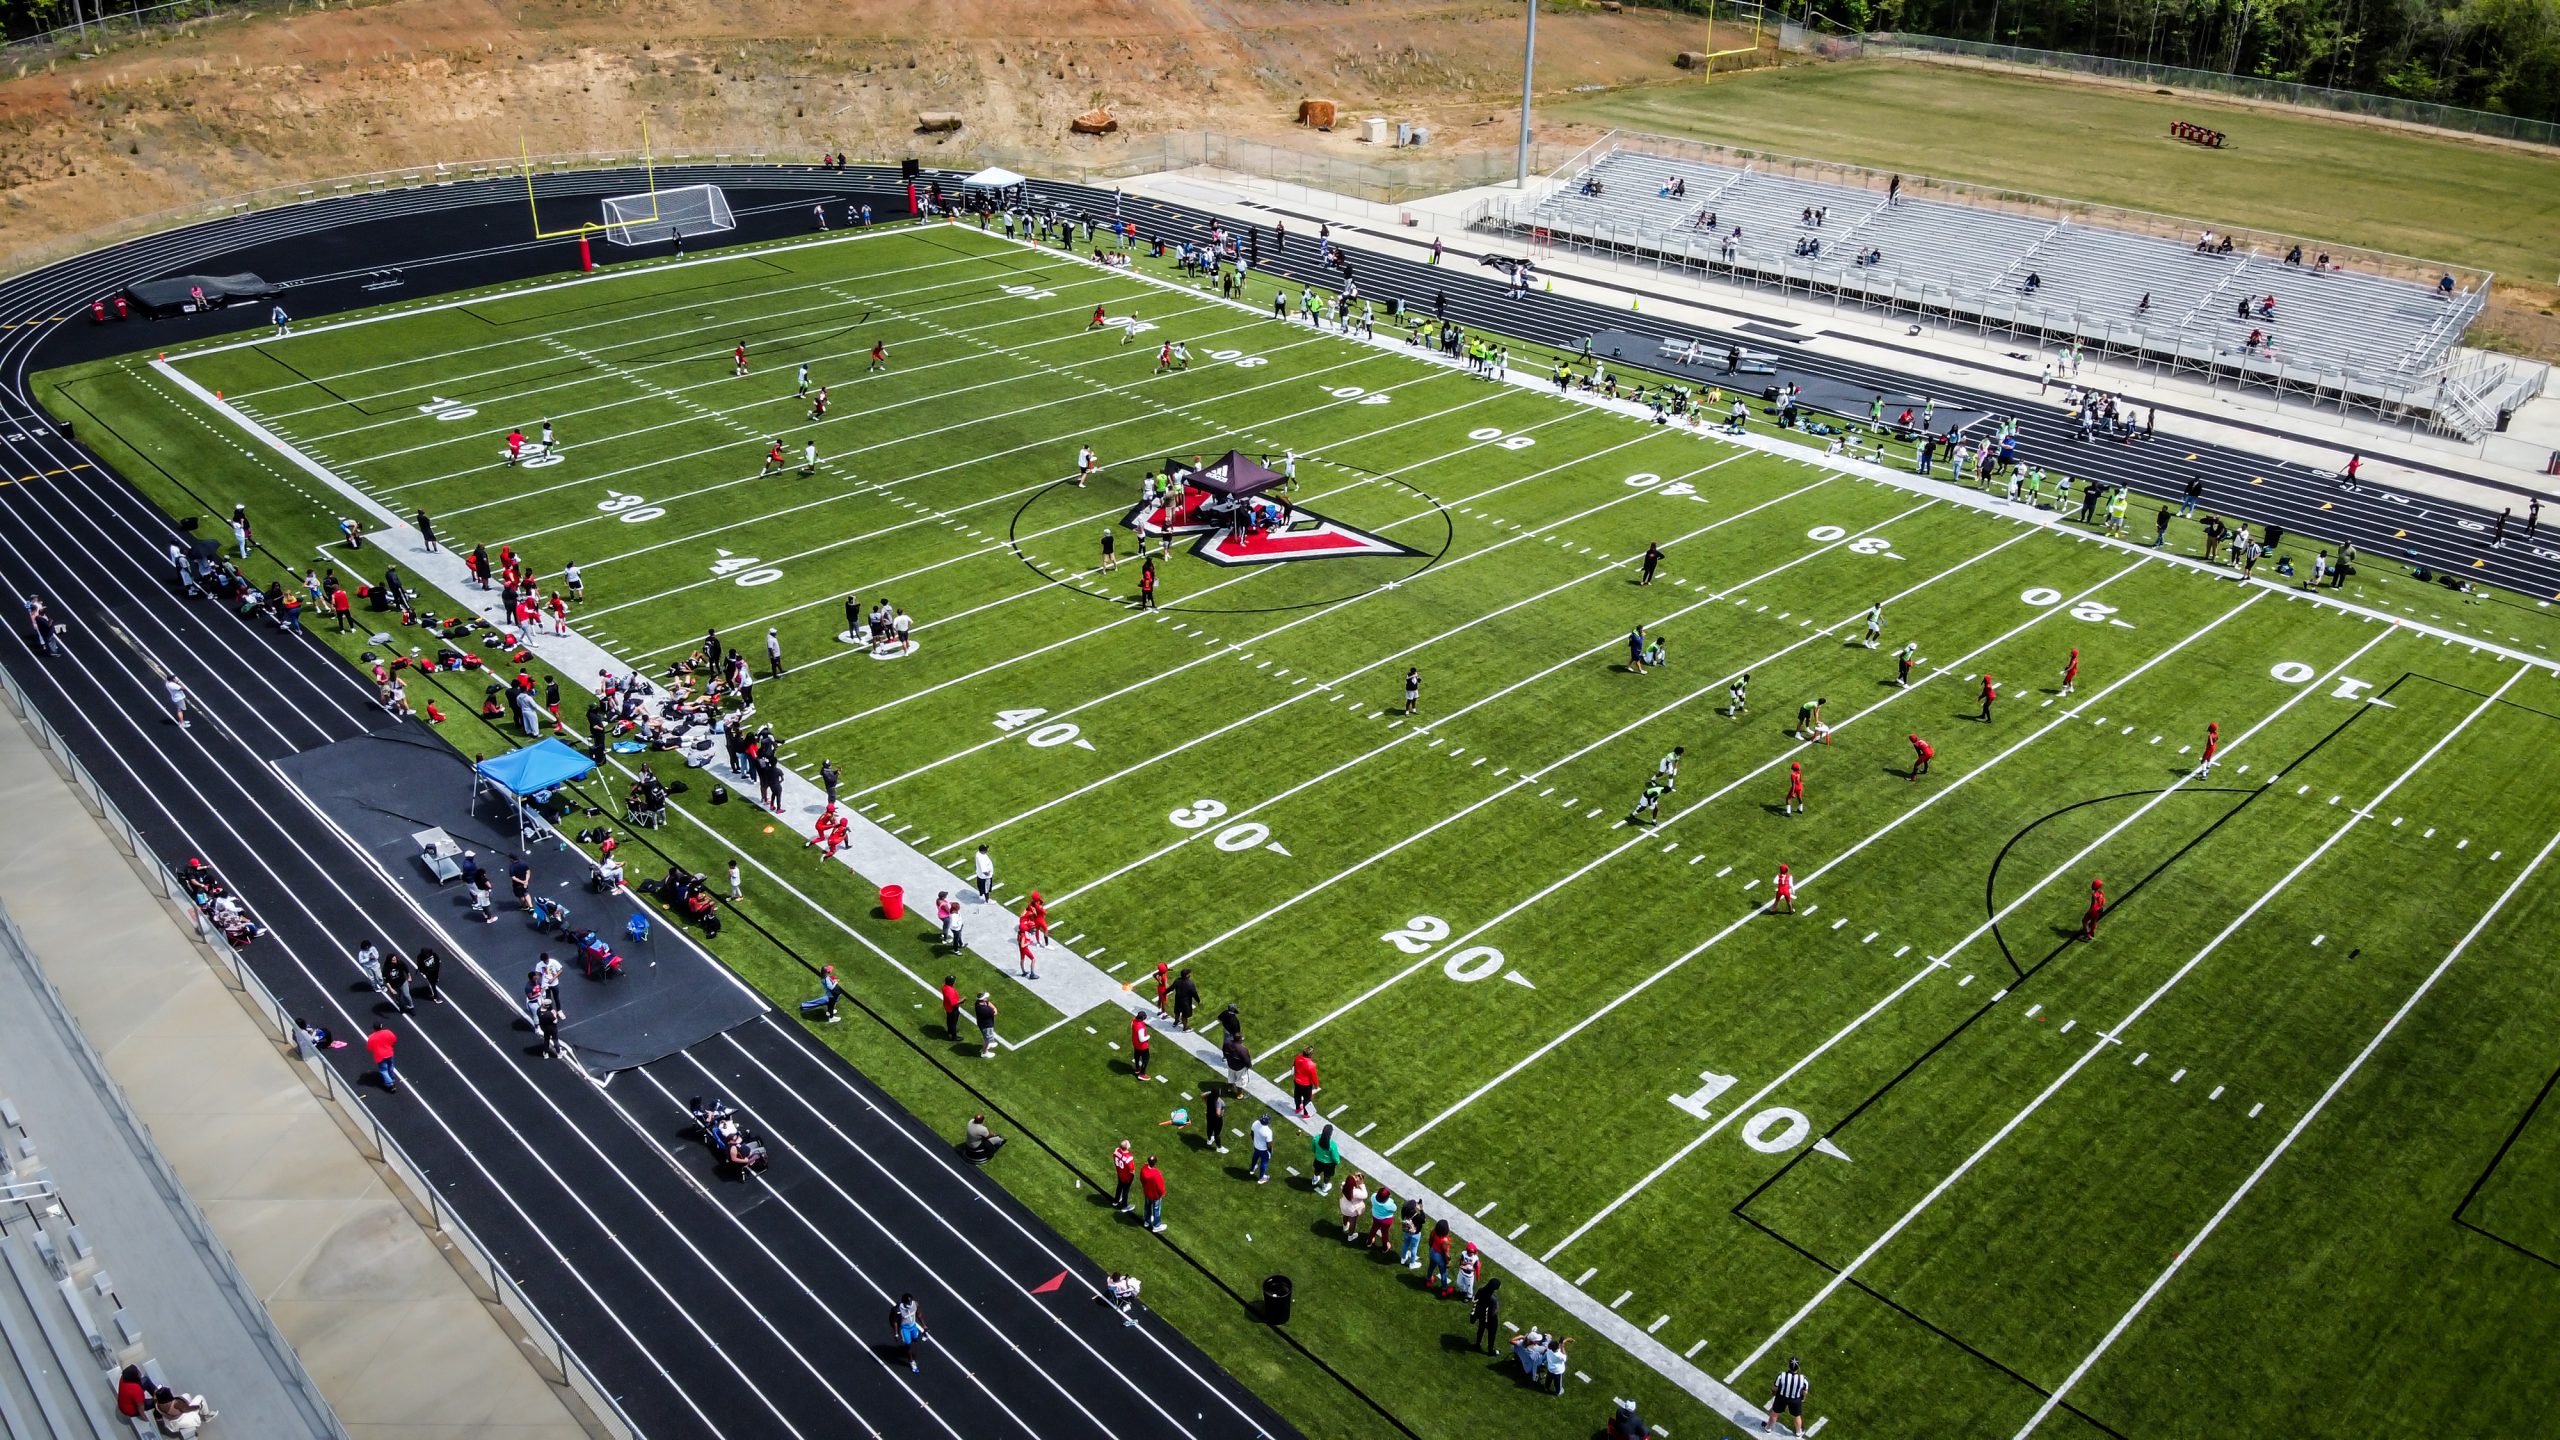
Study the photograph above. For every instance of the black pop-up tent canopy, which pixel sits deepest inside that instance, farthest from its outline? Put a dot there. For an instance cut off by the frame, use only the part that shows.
(169, 297)
(1237, 475)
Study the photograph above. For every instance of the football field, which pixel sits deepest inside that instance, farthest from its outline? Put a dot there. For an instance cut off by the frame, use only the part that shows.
(2268, 1152)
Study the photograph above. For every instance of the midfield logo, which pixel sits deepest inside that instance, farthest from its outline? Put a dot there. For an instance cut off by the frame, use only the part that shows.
(1304, 536)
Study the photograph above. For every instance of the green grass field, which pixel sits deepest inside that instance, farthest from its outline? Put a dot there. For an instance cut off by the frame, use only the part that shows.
(2257, 1158)
(2405, 192)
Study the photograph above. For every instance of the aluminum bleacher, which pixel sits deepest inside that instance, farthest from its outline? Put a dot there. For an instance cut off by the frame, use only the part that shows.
(2372, 333)
(64, 1331)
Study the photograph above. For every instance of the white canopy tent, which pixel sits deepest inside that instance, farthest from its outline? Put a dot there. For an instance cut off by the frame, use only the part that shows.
(994, 177)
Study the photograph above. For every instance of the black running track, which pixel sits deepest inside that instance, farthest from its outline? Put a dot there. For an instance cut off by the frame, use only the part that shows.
(705, 1308)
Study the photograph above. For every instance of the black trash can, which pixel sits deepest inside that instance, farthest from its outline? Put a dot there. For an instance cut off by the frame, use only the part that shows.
(1277, 1295)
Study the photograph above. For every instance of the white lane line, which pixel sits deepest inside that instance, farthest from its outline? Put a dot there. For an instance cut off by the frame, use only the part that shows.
(2188, 1250)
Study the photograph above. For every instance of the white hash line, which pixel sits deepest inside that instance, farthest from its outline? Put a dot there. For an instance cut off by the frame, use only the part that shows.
(829, 323)
(830, 596)
(2187, 1251)
(1939, 962)
(487, 297)
(1435, 955)
(681, 395)
(2114, 1035)
(839, 461)
(1224, 650)
(847, 415)
(1348, 675)
(1757, 911)
(1419, 731)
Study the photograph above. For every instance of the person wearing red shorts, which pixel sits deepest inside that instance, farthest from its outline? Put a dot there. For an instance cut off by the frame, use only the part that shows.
(1795, 788)
(1785, 903)
(2071, 671)
(2212, 748)
(1921, 754)
(2097, 907)
(1990, 692)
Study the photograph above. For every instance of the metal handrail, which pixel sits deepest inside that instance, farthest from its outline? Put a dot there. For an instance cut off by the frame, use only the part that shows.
(483, 1258)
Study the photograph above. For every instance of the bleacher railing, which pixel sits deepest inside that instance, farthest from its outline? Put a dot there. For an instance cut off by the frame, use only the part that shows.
(2392, 382)
(448, 1226)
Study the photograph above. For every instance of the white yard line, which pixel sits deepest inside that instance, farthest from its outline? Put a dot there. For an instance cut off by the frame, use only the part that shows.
(1802, 884)
(1136, 616)
(1647, 835)
(461, 386)
(1418, 732)
(1355, 673)
(1045, 442)
(2115, 1034)
(656, 463)
(2187, 1251)
(605, 277)
(1939, 962)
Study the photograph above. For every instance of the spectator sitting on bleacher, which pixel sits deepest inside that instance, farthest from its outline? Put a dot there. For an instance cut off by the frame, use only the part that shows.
(2224, 248)
(2323, 262)
(1872, 256)
(1675, 187)
(2204, 243)
(2444, 287)
(133, 1397)
(2035, 282)
(2267, 308)
(179, 1414)
(1591, 186)
(2243, 311)
(2293, 256)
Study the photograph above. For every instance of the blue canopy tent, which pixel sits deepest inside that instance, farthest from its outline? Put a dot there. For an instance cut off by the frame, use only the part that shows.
(534, 770)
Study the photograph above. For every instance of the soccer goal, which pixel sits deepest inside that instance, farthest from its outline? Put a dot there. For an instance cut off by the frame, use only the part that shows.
(660, 215)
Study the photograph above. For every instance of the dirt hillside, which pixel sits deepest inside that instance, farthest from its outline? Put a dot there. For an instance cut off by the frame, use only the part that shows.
(231, 104)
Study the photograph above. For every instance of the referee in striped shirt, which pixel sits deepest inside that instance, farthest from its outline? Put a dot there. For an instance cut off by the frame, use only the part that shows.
(1787, 1394)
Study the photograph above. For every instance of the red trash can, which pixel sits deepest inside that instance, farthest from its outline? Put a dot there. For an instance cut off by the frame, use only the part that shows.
(893, 901)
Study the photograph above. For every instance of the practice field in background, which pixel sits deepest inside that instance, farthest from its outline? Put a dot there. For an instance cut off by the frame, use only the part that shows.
(2406, 192)
(2258, 1157)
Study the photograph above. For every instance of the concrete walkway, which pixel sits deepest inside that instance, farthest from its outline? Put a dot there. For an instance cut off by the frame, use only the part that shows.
(398, 1343)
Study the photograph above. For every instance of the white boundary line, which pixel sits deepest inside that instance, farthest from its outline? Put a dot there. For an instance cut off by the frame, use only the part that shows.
(1418, 731)
(1941, 961)
(2187, 1251)
(1896, 823)
(2115, 1033)
(1348, 675)
(1646, 835)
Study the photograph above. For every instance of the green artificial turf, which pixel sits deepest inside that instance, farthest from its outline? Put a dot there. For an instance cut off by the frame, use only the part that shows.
(2019, 1133)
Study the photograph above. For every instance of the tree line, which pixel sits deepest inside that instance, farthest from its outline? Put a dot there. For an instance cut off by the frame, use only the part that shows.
(2501, 56)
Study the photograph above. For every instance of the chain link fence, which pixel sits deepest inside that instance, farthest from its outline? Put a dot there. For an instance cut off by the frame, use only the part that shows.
(2247, 87)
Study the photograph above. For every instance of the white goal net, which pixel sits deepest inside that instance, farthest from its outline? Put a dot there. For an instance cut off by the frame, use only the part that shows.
(649, 219)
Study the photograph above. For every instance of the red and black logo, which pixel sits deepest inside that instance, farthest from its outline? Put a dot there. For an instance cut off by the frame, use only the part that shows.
(1225, 538)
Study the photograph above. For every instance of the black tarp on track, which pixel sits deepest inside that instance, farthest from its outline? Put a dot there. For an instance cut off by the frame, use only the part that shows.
(383, 788)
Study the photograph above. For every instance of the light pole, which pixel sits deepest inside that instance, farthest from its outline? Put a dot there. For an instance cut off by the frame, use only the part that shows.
(1528, 72)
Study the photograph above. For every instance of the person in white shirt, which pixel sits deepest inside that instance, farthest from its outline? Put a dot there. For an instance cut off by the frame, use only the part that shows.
(984, 873)
(1261, 1170)
(1122, 1291)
